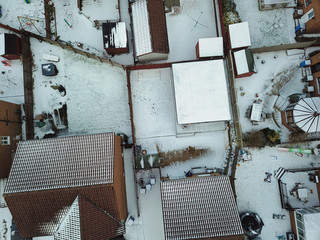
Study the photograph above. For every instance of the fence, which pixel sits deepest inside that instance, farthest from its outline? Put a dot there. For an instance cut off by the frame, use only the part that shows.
(27, 62)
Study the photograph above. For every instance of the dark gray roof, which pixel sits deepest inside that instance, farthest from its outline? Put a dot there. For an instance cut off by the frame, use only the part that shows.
(199, 208)
(62, 163)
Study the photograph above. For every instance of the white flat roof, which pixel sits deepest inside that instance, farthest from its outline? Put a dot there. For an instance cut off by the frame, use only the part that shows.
(201, 92)
(241, 62)
(120, 35)
(312, 226)
(239, 35)
(2, 44)
(141, 28)
(256, 112)
(211, 47)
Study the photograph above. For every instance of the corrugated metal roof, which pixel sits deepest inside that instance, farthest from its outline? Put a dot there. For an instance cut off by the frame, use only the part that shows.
(199, 208)
(141, 27)
(62, 163)
(306, 114)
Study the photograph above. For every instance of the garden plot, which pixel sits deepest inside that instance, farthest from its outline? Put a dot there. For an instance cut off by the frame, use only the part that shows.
(96, 93)
(254, 194)
(154, 117)
(31, 15)
(267, 28)
(186, 24)
(276, 75)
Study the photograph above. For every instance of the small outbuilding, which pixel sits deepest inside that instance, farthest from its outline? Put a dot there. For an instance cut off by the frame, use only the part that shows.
(244, 63)
(201, 93)
(149, 30)
(115, 40)
(10, 46)
(209, 47)
(239, 35)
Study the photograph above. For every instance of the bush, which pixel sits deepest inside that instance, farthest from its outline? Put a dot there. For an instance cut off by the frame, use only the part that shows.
(254, 139)
(272, 136)
(262, 138)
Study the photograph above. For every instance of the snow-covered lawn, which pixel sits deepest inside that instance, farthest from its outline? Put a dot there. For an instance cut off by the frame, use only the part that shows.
(267, 28)
(253, 194)
(34, 11)
(193, 20)
(96, 93)
(154, 117)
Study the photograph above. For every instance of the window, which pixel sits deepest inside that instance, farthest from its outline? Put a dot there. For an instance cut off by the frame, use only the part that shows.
(289, 115)
(307, 2)
(310, 14)
(5, 140)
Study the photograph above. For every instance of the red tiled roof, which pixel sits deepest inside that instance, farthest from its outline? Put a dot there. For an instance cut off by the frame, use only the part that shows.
(105, 225)
(60, 185)
(158, 26)
(40, 213)
(197, 208)
(62, 163)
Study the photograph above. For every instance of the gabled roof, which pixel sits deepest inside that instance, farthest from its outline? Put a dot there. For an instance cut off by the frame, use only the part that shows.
(197, 208)
(42, 213)
(70, 225)
(62, 163)
(149, 26)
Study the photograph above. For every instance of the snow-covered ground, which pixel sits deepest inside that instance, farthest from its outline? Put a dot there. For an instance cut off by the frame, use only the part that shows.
(11, 80)
(253, 194)
(151, 208)
(271, 67)
(96, 93)
(91, 37)
(31, 15)
(267, 28)
(192, 20)
(154, 117)
(5, 224)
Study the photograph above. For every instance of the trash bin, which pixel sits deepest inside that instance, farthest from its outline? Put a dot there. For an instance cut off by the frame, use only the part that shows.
(49, 69)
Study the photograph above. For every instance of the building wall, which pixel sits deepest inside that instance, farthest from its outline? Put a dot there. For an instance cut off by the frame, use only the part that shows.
(119, 179)
(313, 25)
(149, 57)
(10, 125)
(237, 237)
(315, 83)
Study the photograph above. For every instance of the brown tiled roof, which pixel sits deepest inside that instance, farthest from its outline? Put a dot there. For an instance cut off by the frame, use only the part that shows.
(62, 163)
(103, 225)
(40, 213)
(158, 26)
(198, 208)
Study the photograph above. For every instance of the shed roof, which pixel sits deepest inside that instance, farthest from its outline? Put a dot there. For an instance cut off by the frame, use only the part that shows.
(114, 35)
(158, 26)
(211, 47)
(197, 208)
(306, 114)
(62, 163)
(141, 27)
(201, 92)
(239, 35)
(241, 61)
